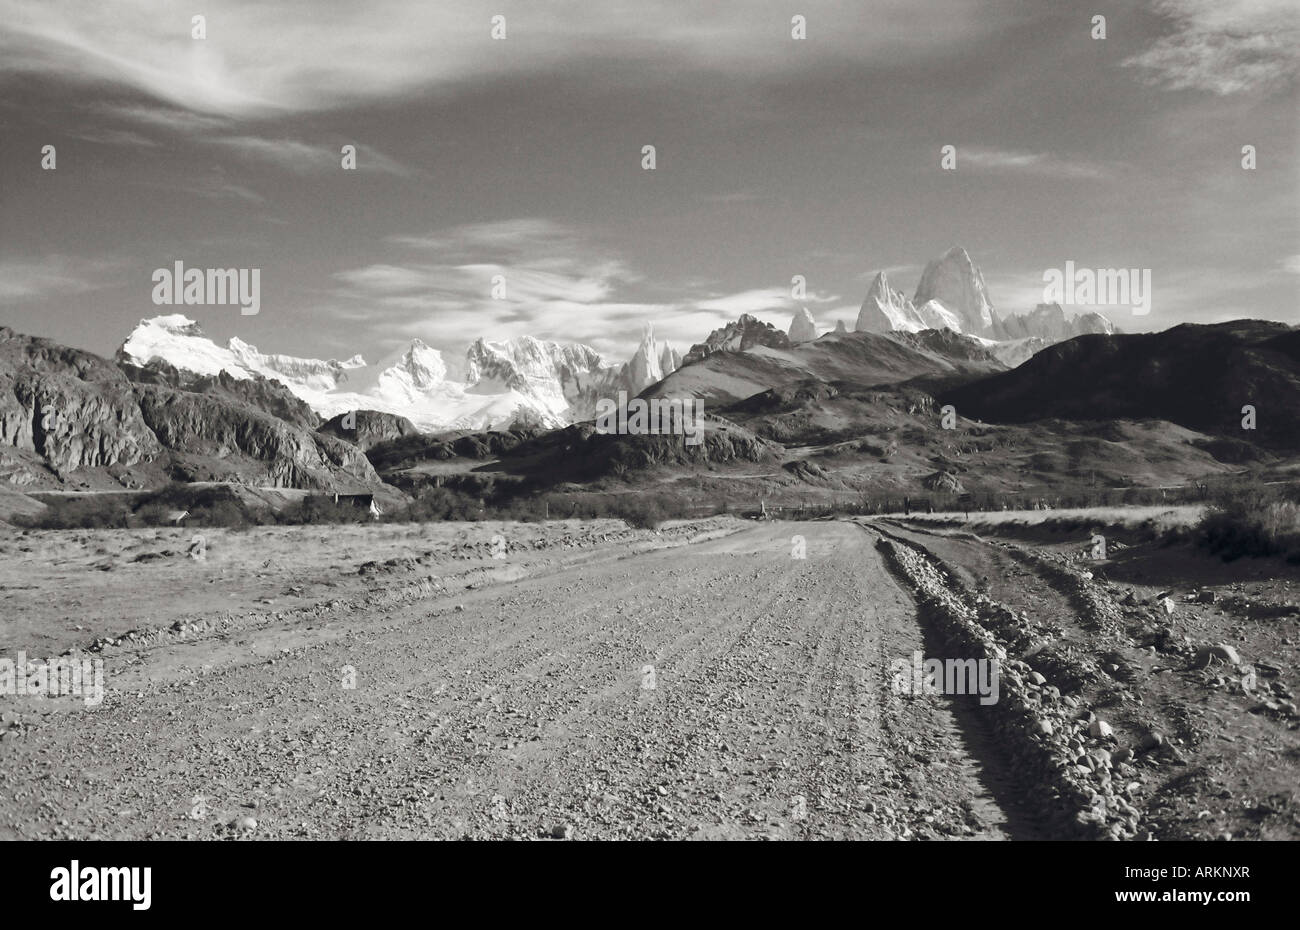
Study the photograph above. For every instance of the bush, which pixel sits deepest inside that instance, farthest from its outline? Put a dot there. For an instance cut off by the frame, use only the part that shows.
(642, 513)
(1251, 522)
(438, 504)
(313, 510)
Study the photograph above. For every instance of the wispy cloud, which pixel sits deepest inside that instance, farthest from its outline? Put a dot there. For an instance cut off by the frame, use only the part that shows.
(531, 238)
(1043, 164)
(306, 158)
(521, 276)
(116, 137)
(756, 301)
(168, 119)
(53, 276)
(265, 59)
(553, 281)
(1224, 46)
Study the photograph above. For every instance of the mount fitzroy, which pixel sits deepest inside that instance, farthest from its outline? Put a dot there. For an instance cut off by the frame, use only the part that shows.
(951, 295)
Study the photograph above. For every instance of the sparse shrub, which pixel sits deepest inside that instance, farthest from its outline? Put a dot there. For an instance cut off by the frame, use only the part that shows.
(640, 512)
(97, 511)
(318, 510)
(221, 513)
(438, 504)
(1254, 522)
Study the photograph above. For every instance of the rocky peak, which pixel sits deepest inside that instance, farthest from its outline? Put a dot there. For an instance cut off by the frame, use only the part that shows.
(643, 368)
(1049, 322)
(744, 333)
(669, 361)
(803, 328)
(955, 282)
(886, 310)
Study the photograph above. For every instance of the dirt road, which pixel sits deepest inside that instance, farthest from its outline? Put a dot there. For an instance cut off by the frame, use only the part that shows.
(724, 689)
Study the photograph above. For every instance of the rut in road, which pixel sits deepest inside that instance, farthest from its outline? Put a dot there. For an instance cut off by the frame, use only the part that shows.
(772, 715)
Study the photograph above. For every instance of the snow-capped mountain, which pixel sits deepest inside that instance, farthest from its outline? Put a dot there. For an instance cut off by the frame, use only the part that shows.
(952, 295)
(645, 367)
(514, 382)
(887, 310)
(177, 340)
(1048, 321)
(952, 284)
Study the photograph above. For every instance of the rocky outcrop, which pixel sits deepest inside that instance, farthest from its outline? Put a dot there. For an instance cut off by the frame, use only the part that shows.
(214, 438)
(945, 482)
(270, 396)
(67, 409)
(63, 410)
(748, 331)
(367, 428)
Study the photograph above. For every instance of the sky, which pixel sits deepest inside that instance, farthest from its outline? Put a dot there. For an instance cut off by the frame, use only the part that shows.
(523, 157)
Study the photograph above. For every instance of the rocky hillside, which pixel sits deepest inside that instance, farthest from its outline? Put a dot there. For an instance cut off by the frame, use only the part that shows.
(63, 409)
(748, 331)
(69, 418)
(215, 439)
(553, 458)
(859, 358)
(367, 428)
(266, 395)
(1196, 376)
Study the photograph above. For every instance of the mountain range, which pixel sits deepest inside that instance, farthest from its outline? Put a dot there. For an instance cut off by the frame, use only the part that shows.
(526, 382)
(951, 294)
(509, 383)
(838, 409)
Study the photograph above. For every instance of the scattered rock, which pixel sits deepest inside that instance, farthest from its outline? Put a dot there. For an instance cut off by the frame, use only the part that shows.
(1220, 652)
(1150, 741)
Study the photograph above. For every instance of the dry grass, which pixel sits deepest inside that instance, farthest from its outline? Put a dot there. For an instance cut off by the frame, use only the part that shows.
(1158, 519)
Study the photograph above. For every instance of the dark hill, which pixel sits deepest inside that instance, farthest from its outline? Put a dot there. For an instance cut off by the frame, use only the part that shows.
(1198, 376)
